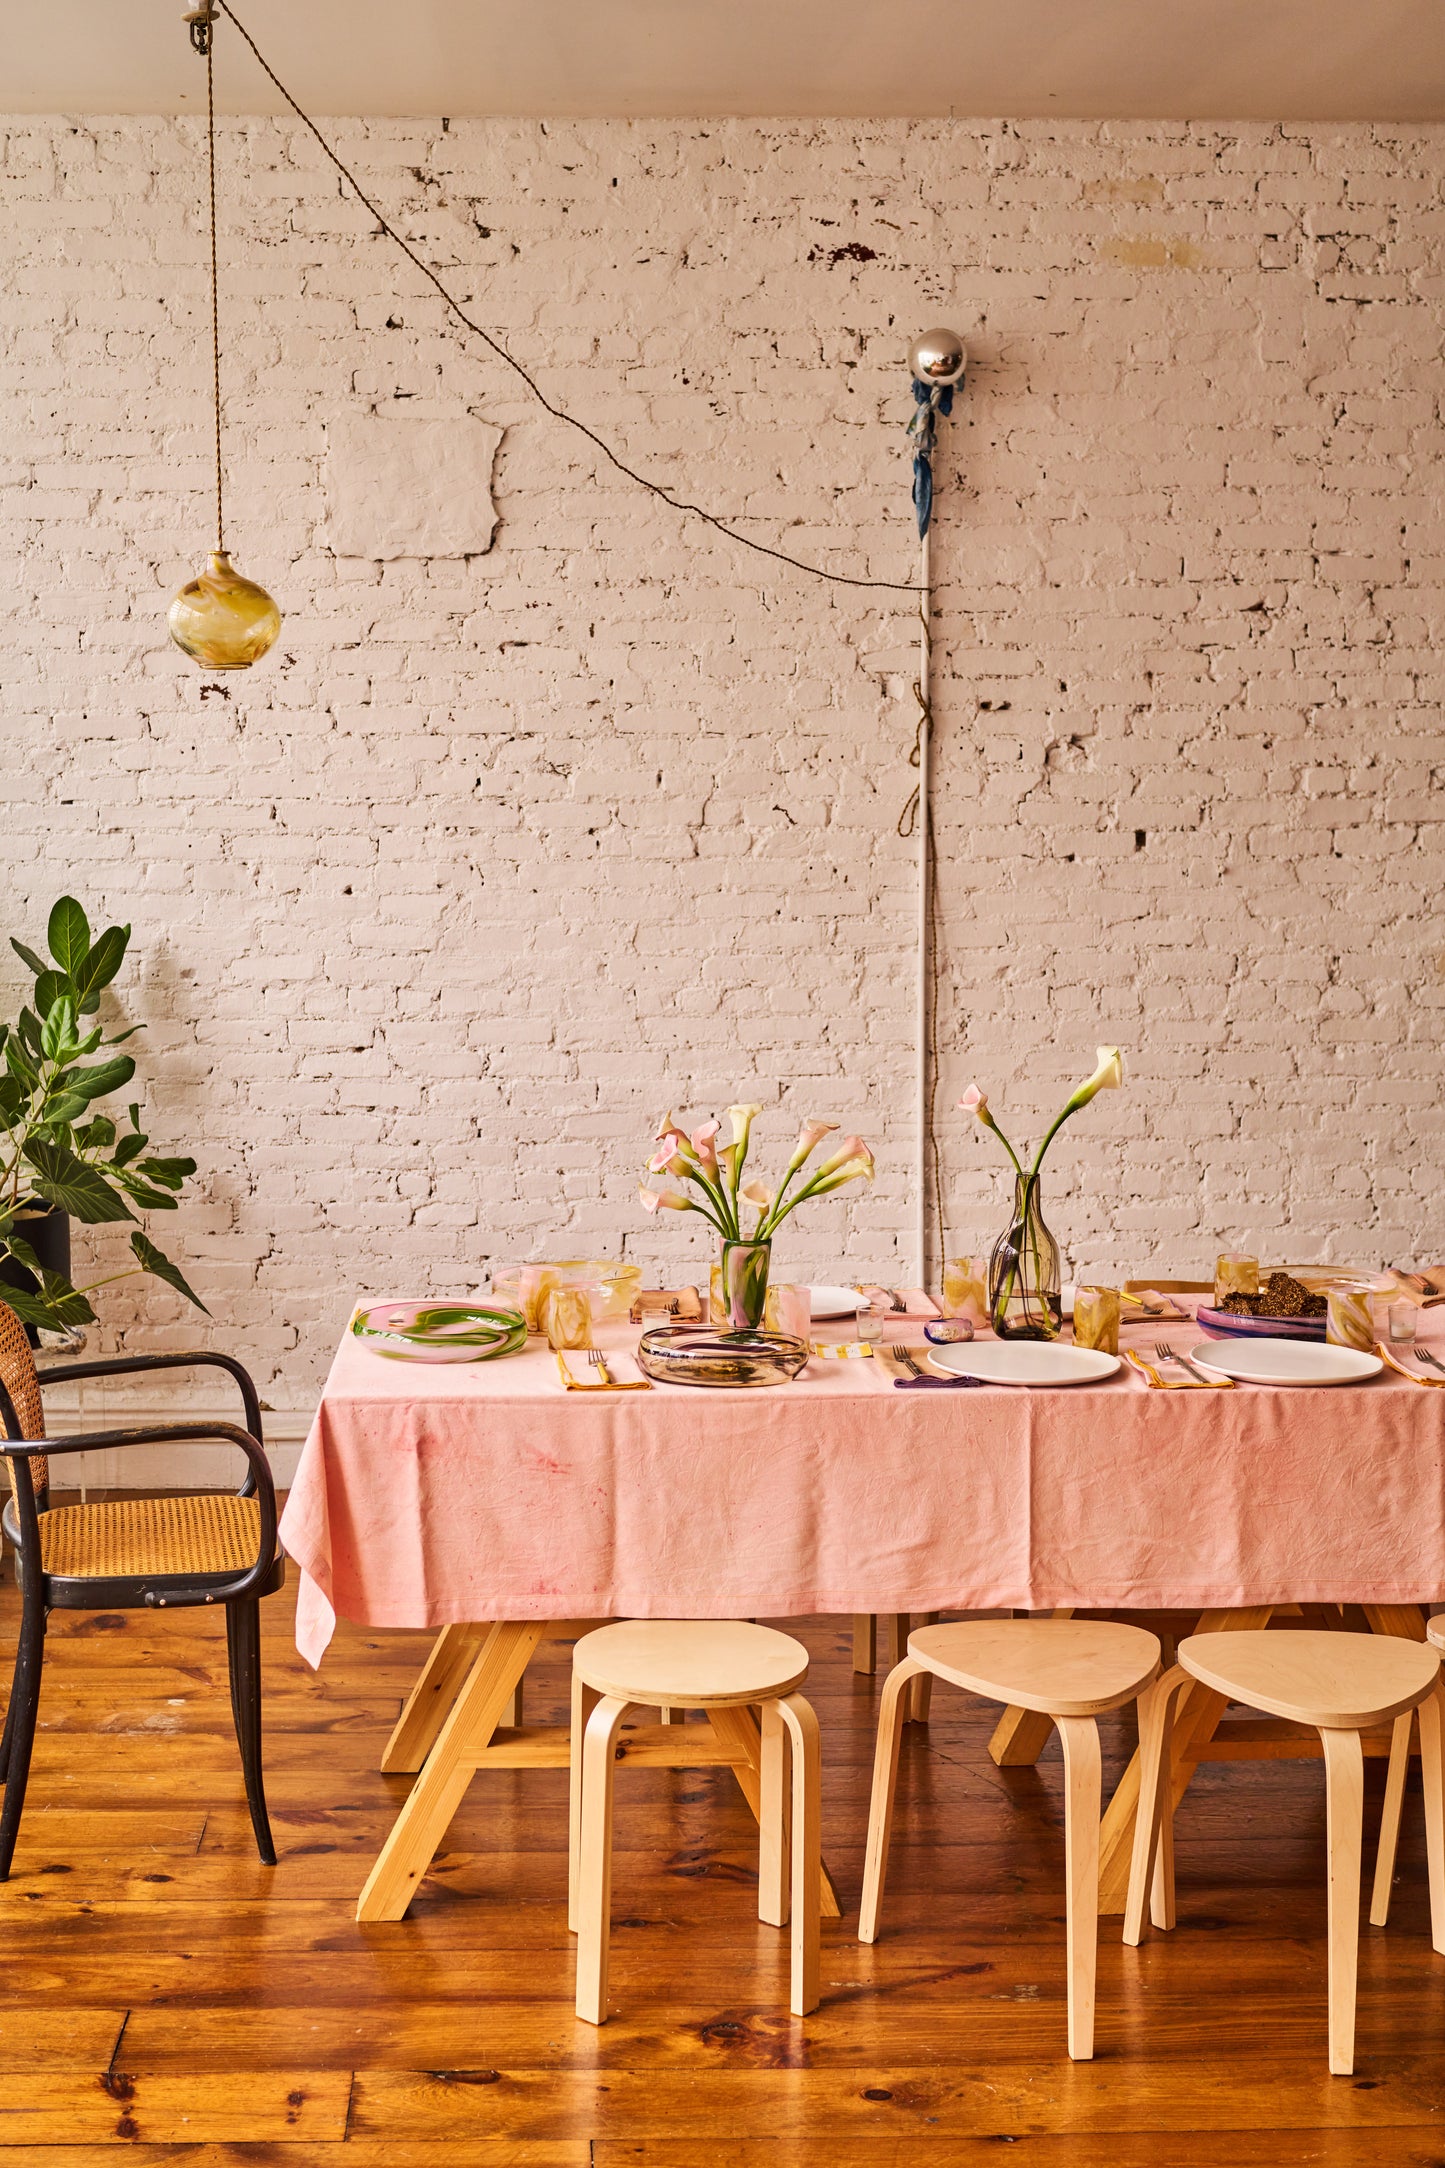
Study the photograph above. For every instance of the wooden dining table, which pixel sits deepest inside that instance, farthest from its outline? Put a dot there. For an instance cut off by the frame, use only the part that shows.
(486, 1502)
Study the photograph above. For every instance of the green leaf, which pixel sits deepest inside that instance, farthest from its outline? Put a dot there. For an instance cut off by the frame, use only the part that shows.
(69, 935)
(12, 1099)
(170, 1173)
(119, 1038)
(64, 1109)
(18, 1062)
(63, 1180)
(105, 1077)
(149, 1200)
(49, 988)
(21, 1252)
(129, 1148)
(28, 1026)
(100, 967)
(96, 1135)
(28, 956)
(150, 1259)
(134, 1111)
(57, 1030)
(57, 1304)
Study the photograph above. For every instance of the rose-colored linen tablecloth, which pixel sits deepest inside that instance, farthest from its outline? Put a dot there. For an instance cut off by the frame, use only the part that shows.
(427, 1496)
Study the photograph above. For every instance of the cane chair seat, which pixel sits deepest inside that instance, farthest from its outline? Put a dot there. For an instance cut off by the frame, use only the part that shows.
(141, 1537)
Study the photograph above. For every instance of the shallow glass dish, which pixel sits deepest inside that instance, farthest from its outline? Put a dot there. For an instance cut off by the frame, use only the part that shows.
(440, 1332)
(701, 1355)
(610, 1285)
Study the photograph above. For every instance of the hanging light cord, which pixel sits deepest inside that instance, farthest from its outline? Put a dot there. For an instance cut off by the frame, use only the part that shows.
(215, 290)
(678, 504)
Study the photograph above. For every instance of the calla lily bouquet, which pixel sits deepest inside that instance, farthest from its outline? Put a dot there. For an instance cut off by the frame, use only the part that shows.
(1107, 1076)
(1023, 1271)
(715, 1172)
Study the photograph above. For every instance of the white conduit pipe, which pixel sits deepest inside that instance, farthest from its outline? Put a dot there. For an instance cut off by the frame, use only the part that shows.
(925, 845)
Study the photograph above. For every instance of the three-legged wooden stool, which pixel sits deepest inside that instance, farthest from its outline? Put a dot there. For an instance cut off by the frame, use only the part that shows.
(1343, 1684)
(1070, 1670)
(695, 1664)
(1395, 1798)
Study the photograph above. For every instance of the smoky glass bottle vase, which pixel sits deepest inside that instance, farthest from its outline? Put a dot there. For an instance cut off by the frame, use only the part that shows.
(1023, 1272)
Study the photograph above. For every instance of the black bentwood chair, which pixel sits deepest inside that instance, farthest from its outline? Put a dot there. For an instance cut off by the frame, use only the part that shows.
(215, 1547)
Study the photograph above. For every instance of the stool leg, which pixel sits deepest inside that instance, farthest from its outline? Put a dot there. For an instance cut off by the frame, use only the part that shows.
(865, 1642)
(885, 1785)
(773, 1820)
(594, 1865)
(1344, 1819)
(1080, 1739)
(807, 1759)
(584, 1701)
(920, 1699)
(1390, 1818)
(1152, 1865)
(1432, 1765)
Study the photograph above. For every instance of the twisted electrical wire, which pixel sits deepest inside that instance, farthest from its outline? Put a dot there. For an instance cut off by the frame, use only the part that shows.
(678, 504)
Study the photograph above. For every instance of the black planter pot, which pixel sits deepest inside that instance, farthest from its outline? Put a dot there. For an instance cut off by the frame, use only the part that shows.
(49, 1236)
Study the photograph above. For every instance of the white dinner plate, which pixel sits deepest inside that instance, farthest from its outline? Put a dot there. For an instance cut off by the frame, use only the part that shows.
(1024, 1362)
(1285, 1362)
(833, 1301)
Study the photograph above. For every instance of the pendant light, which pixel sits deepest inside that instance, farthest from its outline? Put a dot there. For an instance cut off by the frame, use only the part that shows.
(220, 619)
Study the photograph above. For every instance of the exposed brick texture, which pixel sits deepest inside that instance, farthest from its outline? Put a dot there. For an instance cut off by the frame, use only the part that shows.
(495, 857)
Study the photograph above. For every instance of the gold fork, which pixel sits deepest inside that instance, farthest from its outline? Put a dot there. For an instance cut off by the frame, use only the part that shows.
(599, 1362)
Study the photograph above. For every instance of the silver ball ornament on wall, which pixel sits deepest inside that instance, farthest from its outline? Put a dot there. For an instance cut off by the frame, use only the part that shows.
(938, 357)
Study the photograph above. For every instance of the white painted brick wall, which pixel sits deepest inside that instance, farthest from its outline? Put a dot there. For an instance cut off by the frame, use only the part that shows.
(493, 858)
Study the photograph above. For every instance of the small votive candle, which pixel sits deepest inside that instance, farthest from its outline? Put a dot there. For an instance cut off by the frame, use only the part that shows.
(567, 1317)
(788, 1309)
(1235, 1276)
(965, 1288)
(1096, 1318)
(1404, 1320)
(875, 1307)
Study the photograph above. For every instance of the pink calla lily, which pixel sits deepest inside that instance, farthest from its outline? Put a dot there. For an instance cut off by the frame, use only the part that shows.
(665, 1200)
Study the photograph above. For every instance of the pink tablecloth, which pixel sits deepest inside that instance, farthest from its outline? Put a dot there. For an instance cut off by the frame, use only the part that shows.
(427, 1496)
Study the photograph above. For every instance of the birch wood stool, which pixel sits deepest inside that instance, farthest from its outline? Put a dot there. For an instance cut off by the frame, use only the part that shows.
(696, 1664)
(1342, 1684)
(1068, 1670)
(1395, 1795)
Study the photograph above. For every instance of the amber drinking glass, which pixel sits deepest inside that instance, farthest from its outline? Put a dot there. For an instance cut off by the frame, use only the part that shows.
(567, 1317)
(965, 1288)
(1096, 1318)
(1235, 1276)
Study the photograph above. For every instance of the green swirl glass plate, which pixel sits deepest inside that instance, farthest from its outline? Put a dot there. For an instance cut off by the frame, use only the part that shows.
(440, 1332)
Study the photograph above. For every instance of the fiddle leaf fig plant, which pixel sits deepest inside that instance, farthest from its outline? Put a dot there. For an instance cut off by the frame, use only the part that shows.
(58, 1149)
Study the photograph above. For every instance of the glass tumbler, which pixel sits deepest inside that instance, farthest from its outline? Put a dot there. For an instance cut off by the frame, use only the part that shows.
(567, 1317)
(1404, 1321)
(965, 1288)
(1096, 1318)
(875, 1307)
(1235, 1276)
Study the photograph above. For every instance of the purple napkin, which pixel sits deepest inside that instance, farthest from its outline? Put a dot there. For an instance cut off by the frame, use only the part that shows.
(910, 1385)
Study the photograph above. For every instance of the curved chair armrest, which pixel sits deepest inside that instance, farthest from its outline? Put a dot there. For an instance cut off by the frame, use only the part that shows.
(129, 1365)
(258, 1480)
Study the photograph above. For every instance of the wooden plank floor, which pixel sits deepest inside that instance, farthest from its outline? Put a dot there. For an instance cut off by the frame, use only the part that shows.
(162, 1991)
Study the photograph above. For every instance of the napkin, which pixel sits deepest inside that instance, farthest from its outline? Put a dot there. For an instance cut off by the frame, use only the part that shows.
(1183, 1383)
(1385, 1356)
(601, 1385)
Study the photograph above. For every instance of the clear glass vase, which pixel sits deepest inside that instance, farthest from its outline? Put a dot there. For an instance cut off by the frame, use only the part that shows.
(1023, 1272)
(740, 1290)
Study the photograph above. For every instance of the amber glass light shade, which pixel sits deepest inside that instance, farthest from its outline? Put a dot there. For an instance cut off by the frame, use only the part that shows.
(221, 620)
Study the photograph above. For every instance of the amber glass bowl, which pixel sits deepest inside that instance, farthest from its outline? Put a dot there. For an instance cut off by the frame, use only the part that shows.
(703, 1355)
